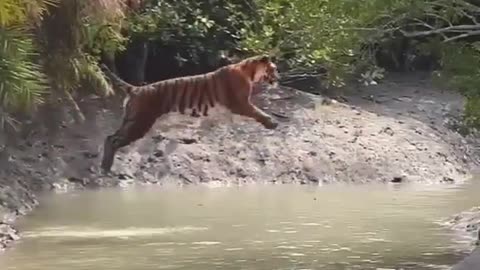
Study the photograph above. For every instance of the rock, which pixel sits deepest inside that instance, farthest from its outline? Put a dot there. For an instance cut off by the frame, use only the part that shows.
(76, 180)
(398, 179)
(448, 180)
(467, 222)
(388, 131)
(90, 155)
(240, 172)
(124, 176)
(159, 153)
(7, 235)
(158, 138)
(188, 140)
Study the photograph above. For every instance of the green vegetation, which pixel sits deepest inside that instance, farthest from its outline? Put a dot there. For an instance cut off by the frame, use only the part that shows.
(51, 48)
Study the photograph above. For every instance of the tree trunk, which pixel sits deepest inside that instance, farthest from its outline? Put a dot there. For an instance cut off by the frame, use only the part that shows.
(135, 62)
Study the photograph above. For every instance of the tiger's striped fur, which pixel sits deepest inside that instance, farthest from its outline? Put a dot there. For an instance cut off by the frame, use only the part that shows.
(229, 86)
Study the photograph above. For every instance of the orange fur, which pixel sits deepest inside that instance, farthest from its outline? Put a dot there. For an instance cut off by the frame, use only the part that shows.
(230, 86)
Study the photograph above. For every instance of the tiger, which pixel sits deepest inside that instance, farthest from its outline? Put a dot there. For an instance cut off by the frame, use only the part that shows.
(229, 86)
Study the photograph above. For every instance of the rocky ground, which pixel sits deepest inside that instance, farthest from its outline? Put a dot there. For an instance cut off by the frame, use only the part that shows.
(469, 221)
(397, 131)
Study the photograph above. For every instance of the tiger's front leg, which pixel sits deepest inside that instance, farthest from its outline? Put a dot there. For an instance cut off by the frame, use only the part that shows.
(256, 113)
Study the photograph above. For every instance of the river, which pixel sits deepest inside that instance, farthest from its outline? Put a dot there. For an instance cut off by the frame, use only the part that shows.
(252, 227)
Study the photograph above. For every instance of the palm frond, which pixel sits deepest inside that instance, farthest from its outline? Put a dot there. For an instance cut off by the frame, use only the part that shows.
(22, 82)
(23, 11)
(92, 76)
(11, 12)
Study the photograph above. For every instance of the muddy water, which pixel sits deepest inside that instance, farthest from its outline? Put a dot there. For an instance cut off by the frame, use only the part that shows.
(267, 227)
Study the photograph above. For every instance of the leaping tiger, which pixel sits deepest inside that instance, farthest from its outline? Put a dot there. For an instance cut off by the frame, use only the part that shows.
(229, 86)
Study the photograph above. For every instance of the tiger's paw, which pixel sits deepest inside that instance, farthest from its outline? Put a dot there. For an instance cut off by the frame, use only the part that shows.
(271, 125)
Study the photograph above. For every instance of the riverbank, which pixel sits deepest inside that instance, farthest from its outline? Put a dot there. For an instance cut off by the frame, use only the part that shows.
(397, 131)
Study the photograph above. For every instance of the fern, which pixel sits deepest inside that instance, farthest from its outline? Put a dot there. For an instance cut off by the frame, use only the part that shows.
(22, 82)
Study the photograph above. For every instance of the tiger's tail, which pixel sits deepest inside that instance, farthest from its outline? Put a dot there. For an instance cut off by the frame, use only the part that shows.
(116, 81)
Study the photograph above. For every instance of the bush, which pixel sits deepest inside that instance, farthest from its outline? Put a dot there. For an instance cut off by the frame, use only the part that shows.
(461, 71)
(52, 47)
(348, 39)
(199, 30)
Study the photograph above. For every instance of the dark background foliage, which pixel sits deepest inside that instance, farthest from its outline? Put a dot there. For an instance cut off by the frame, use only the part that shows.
(51, 49)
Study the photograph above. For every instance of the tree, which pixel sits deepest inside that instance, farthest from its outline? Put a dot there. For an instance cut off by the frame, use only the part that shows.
(350, 38)
(51, 49)
(22, 81)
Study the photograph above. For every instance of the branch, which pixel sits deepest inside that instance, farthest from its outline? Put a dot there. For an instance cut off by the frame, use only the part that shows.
(464, 35)
(437, 16)
(471, 17)
(474, 27)
(78, 114)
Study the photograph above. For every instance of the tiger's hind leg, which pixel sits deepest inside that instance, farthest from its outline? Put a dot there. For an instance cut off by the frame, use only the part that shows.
(252, 111)
(130, 131)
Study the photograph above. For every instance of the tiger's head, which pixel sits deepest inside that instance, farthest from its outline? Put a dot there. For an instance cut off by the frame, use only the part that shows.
(261, 69)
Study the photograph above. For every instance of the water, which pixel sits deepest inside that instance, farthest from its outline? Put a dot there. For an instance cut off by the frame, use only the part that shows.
(253, 227)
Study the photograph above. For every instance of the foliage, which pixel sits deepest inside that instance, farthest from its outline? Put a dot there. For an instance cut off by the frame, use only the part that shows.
(62, 41)
(311, 33)
(22, 81)
(73, 39)
(14, 12)
(346, 38)
(52, 47)
(461, 71)
(198, 29)
(451, 28)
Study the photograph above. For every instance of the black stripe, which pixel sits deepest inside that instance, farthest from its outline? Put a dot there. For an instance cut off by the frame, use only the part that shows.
(228, 89)
(205, 110)
(194, 113)
(173, 95)
(252, 76)
(208, 90)
(194, 92)
(201, 91)
(216, 96)
(164, 92)
(181, 103)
